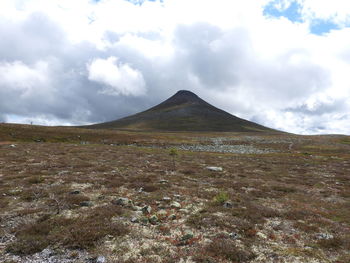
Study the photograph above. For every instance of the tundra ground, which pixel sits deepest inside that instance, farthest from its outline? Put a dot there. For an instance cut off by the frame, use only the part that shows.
(75, 195)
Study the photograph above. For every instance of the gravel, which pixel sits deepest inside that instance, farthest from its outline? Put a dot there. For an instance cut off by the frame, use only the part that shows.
(215, 144)
(242, 149)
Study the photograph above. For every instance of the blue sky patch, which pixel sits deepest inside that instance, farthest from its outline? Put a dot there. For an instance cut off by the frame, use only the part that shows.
(320, 27)
(293, 13)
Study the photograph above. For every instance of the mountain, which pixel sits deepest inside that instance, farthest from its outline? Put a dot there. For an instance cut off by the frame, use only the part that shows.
(184, 111)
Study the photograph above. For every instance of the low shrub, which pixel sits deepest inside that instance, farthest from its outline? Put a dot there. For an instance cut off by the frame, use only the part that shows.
(83, 232)
(227, 249)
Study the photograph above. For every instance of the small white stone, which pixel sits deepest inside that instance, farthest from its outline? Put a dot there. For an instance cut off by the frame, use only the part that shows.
(101, 259)
(261, 235)
(214, 169)
(175, 205)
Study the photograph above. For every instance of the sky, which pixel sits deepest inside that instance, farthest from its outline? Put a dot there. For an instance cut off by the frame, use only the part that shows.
(284, 64)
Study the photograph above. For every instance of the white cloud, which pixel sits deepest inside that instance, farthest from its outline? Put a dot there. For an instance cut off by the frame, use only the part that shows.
(337, 11)
(86, 61)
(22, 78)
(119, 78)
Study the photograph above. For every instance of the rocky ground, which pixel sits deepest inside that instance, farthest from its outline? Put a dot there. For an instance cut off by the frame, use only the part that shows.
(133, 197)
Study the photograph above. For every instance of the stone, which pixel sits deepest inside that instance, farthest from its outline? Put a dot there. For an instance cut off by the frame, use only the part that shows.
(184, 240)
(146, 209)
(214, 169)
(134, 220)
(162, 213)
(86, 204)
(187, 235)
(13, 145)
(163, 181)
(227, 204)
(153, 220)
(234, 235)
(176, 205)
(47, 253)
(75, 192)
(261, 235)
(144, 220)
(121, 201)
(166, 198)
(100, 259)
(324, 236)
(161, 206)
(137, 208)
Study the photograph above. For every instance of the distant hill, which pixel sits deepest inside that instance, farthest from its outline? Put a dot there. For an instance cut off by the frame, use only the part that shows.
(184, 111)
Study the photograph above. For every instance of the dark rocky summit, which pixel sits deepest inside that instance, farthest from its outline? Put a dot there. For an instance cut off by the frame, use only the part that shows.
(184, 111)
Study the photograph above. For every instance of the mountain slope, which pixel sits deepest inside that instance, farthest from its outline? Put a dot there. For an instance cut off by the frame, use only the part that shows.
(184, 111)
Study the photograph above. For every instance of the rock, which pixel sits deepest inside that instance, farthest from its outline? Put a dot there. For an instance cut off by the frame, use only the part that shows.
(325, 236)
(100, 259)
(234, 235)
(153, 220)
(146, 209)
(175, 205)
(13, 145)
(162, 213)
(187, 235)
(134, 220)
(261, 235)
(86, 204)
(184, 240)
(214, 169)
(121, 201)
(163, 181)
(227, 204)
(137, 208)
(172, 217)
(75, 192)
(166, 198)
(177, 196)
(144, 220)
(47, 253)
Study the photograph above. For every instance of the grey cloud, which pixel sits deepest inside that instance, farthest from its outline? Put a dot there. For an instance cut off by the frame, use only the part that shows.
(2, 118)
(36, 37)
(207, 60)
(321, 108)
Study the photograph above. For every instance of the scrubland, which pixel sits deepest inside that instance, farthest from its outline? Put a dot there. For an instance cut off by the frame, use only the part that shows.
(75, 195)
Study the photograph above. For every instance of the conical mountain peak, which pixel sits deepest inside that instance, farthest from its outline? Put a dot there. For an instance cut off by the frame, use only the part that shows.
(185, 93)
(179, 98)
(184, 111)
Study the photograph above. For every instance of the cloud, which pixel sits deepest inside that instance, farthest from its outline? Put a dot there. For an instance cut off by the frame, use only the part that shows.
(119, 79)
(76, 62)
(22, 78)
(2, 118)
(336, 11)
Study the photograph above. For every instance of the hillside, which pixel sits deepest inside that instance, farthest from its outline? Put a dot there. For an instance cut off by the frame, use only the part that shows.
(184, 111)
